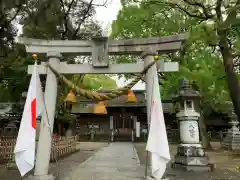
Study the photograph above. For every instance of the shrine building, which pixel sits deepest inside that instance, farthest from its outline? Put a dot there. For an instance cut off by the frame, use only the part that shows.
(121, 117)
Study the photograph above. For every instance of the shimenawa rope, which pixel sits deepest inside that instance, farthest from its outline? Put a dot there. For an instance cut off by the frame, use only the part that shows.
(96, 96)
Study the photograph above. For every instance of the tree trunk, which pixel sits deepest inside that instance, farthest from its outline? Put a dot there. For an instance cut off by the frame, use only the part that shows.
(202, 124)
(232, 79)
(203, 132)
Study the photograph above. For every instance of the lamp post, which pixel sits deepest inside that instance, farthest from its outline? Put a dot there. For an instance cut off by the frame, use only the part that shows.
(190, 154)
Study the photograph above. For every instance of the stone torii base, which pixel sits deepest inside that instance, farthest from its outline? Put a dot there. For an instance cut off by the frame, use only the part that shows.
(99, 48)
(42, 177)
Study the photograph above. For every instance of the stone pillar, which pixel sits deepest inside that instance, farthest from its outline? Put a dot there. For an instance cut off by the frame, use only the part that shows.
(132, 136)
(232, 140)
(45, 136)
(148, 57)
(111, 128)
(138, 129)
(69, 132)
(111, 123)
(134, 119)
(190, 155)
(38, 129)
(70, 129)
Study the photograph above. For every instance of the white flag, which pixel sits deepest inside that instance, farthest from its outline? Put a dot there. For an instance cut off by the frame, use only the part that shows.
(25, 145)
(157, 142)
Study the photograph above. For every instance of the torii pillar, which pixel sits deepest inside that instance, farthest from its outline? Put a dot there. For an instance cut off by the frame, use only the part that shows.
(99, 48)
(45, 134)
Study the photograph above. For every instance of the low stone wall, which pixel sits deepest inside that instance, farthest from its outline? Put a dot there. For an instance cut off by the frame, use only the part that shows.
(61, 146)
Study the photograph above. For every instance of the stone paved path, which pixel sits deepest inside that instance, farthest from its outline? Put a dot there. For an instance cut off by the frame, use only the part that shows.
(118, 161)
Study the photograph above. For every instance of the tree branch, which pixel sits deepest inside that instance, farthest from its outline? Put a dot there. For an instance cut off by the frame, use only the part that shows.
(201, 16)
(65, 18)
(218, 9)
(206, 11)
(232, 16)
(160, 76)
(93, 4)
(6, 22)
(19, 7)
(82, 20)
(236, 55)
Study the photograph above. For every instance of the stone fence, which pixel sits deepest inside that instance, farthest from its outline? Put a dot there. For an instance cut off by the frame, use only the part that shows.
(61, 146)
(217, 136)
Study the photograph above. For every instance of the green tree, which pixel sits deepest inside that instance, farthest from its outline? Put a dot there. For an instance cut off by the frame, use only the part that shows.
(54, 19)
(96, 82)
(221, 23)
(48, 19)
(199, 62)
(9, 10)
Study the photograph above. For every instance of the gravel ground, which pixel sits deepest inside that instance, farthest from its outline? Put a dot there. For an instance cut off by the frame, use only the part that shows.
(64, 166)
(227, 166)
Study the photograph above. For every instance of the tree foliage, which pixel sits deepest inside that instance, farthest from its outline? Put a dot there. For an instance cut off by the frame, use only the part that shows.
(96, 82)
(44, 19)
(200, 57)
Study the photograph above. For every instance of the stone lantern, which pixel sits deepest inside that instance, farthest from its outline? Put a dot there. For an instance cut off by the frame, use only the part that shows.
(232, 139)
(11, 128)
(190, 154)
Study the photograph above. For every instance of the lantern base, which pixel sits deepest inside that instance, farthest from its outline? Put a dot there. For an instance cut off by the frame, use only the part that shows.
(192, 158)
(193, 168)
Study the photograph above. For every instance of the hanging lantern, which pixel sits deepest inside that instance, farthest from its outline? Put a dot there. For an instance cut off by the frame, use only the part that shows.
(70, 98)
(131, 98)
(100, 108)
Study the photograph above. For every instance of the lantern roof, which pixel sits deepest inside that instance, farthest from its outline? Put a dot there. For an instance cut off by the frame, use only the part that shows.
(233, 115)
(187, 92)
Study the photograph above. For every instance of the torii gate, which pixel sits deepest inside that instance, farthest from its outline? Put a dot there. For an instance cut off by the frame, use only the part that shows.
(99, 48)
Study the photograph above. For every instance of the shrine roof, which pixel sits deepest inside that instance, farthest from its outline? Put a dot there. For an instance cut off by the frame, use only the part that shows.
(84, 105)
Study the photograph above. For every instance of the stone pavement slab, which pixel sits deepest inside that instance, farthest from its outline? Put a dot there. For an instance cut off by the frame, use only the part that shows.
(118, 161)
